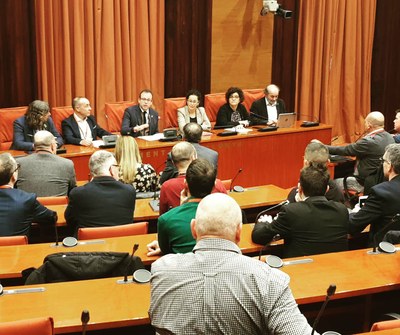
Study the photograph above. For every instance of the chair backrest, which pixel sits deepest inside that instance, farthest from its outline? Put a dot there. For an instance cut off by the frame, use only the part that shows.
(212, 103)
(114, 113)
(384, 325)
(47, 201)
(60, 113)
(13, 240)
(7, 117)
(252, 95)
(113, 231)
(227, 183)
(170, 107)
(39, 326)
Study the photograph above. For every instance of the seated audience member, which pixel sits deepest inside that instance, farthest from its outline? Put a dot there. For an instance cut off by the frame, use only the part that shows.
(183, 154)
(383, 201)
(43, 172)
(268, 107)
(140, 120)
(313, 225)
(397, 126)
(81, 128)
(173, 227)
(104, 201)
(242, 295)
(191, 133)
(233, 112)
(37, 117)
(131, 169)
(192, 112)
(368, 151)
(316, 154)
(18, 209)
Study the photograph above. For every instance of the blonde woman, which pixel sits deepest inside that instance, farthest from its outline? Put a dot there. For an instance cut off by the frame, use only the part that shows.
(131, 169)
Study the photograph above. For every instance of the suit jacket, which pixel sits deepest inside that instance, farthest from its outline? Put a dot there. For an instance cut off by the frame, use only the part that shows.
(133, 117)
(260, 107)
(309, 227)
(72, 134)
(201, 116)
(334, 193)
(102, 202)
(170, 170)
(368, 151)
(397, 138)
(225, 112)
(23, 134)
(18, 209)
(382, 204)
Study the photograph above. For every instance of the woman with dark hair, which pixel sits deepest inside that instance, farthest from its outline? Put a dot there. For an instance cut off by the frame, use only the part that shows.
(192, 112)
(233, 112)
(37, 117)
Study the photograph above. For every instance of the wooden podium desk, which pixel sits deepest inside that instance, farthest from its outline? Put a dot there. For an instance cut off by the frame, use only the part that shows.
(253, 197)
(14, 259)
(266, 158)
(111, 305)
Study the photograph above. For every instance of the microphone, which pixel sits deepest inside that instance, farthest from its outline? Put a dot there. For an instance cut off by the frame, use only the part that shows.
(85, 317)
(330, 291)
(307, 124)
(236, 188)
(384, 246)
(259, 116)
(285, 202)
(135, 247)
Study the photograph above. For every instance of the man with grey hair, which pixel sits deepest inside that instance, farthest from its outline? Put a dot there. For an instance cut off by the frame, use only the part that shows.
(18, 209)
(43, 172)
(182, 153)
(81, 128)
(215, 288)
(383, 201)
(104, 201)
(368, 150)
(267, 109)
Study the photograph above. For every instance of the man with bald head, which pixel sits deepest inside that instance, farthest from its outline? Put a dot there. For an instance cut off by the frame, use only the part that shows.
(215, 288)
(368, 150)
(43, 172)
(268, 107)
(81, 128)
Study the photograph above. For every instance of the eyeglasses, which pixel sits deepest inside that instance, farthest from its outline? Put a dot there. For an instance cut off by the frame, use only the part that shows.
(234, 97)
(193, 102)
(146, 100)
(383, 160)
(17, 168)
(115, 165)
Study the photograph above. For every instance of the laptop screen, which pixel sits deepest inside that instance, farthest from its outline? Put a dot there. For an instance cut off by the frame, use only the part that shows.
(286, 120)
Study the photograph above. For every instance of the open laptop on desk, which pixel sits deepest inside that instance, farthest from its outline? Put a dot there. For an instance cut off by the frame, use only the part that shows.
(286, 120)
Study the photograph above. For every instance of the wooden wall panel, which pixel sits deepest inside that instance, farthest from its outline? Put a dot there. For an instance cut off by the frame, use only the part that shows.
(241, 51)
(17, 53)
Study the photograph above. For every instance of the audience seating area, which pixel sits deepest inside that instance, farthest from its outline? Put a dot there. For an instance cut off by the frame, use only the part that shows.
(39, 326)
(138, 228)
(13, 240)
(7, 117)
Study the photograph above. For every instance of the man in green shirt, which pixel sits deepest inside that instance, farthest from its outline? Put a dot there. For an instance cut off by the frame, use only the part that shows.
(174, 233)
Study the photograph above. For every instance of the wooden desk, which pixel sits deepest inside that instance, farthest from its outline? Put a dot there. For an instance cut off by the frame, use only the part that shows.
(254, 197)
(355, 273)
(266, 158)
(14, 259)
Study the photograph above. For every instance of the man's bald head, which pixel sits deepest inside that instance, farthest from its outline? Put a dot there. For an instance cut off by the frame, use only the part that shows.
(43, 139)
(316, 154)
(183, 153)
(375, 119)
(218, 215)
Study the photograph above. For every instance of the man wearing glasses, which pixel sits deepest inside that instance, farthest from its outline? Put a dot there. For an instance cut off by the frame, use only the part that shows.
(18, 209)
(104, 201)
(141, 119)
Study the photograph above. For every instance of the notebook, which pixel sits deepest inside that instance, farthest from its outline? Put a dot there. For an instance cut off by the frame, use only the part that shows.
(286, 120)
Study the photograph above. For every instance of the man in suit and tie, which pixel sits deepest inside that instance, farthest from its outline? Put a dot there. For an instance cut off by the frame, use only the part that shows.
(268, 107)
(192, 133)
(141, 119)
(81, 128)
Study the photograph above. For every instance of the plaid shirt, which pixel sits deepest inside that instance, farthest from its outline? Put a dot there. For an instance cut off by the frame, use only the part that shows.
(216, 290)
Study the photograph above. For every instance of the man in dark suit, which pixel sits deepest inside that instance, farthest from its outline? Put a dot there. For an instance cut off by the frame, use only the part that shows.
(18, 209)
(314, 225)
(383, 201)
(268, 107)
(192, 133)
(81, 128)
(140, 120)
(396, 122)
(104, 201)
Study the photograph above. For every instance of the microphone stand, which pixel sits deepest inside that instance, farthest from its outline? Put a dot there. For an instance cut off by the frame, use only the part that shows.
(239, 188)
(393, 220)
(331, 291)
(85, 317)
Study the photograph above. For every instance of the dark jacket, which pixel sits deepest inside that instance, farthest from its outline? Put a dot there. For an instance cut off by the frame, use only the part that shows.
(225, 112)
(133, 117)
(71, 133)
(260, 107)
(71, 266)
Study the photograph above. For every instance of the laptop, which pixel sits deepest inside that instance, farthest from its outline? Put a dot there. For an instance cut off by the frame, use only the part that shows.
(286, 120)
